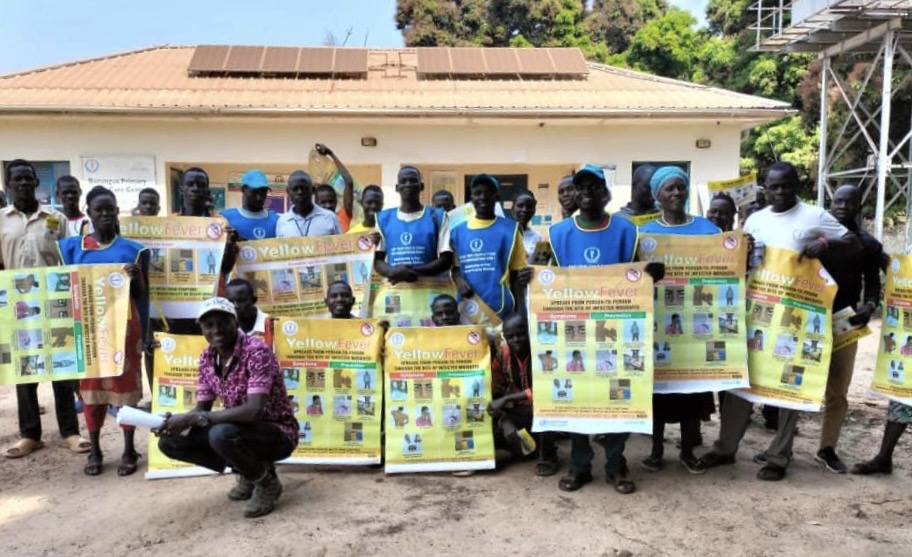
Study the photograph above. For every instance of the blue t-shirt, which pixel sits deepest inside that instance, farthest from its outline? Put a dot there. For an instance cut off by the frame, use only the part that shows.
(699, 226)
(252, 228)
(578, 247)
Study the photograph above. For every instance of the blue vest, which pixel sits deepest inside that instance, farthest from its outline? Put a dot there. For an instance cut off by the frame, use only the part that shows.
(574, 247)
(410, 243)
(252, 229)
(484, 259)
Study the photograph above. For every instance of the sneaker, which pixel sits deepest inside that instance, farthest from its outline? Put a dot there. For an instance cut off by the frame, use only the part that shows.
(760, 458)
(693, 465)
(653, 463)
(266, 492)
(828, 457)
(242, 491)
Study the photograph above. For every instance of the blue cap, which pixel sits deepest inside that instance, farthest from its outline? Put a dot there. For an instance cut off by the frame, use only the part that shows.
(485, 179)
(255, 179)
(590, 169)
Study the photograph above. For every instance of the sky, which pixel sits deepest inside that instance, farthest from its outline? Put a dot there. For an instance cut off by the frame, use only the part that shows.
(66, 30)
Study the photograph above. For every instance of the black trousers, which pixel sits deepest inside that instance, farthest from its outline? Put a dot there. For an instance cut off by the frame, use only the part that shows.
(514, 419)
(64, 404)
(247, 448)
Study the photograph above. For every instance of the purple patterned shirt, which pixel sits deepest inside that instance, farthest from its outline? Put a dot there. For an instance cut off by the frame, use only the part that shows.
(253, 370)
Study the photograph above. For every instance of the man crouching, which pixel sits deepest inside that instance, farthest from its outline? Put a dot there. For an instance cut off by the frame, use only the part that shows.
(257, 426)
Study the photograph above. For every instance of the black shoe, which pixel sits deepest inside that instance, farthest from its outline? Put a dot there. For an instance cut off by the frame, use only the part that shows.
(242, 491)
(828, 457)
(266, 492)
(693, 465)
(771, 473)
(873, 466)
(760, 458)
(653, 463)
(713, 459)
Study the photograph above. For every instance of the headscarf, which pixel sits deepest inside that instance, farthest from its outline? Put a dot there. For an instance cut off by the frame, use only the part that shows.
(663, 175)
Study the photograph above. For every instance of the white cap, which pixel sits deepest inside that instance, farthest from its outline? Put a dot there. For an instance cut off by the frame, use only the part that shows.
(216, 304)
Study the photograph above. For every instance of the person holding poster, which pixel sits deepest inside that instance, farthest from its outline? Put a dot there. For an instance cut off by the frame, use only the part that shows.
(523, 211)
(325, 194)
(791, 224)
(28, 238)
(340, 299)
(671, 186)
(490, 258)
(371, 205)
(850, 273)
(105, 245)
(511, 407)
(257, 426)
(590, 239)
(641, 208)
(251, 319)
(252, 220)
(305, 219)
(414, 239)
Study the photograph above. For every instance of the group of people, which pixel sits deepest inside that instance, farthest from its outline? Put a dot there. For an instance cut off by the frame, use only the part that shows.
(487, 257)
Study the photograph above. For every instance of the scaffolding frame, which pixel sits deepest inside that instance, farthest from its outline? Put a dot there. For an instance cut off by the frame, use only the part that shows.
(876, 31)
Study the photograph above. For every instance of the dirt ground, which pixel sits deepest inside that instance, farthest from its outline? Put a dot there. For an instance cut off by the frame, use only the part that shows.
(48, 507)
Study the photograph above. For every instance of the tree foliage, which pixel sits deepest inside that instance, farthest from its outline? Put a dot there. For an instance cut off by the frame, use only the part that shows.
(651, 36)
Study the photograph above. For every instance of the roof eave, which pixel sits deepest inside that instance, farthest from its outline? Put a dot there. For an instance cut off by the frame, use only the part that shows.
(750, 114)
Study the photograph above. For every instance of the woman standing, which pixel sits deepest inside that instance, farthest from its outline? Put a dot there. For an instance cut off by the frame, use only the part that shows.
(523, 211)
(722, 211)
(670, 187)
(105, 245)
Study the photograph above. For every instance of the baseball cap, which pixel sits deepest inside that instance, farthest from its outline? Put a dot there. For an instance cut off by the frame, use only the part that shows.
(485, 179)
(255, 179)
(216, 304)
(591, 169)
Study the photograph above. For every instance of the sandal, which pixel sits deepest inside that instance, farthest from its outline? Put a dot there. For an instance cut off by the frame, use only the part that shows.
(94, 465)
(77, 444)
(872, 466)
(23, 447)
(546, 467)
(771, 473)
(574, 481)
(621, 482)
(128, 464)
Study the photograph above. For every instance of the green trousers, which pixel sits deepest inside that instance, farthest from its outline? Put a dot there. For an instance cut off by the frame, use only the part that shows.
(581, 453)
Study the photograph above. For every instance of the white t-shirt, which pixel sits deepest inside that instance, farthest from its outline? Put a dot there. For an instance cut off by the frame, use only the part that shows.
(531, 239)
(795, 228)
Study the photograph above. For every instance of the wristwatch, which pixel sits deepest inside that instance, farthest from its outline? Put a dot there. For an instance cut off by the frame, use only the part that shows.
(202, 420)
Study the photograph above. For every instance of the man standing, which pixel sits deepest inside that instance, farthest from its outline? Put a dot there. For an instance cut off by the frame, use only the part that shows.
(850, 273)
(791, 224)
(251, 319)
(444, 201)
(305, 219)
(257, 426)
(490, 256)
(149, 204)
(641, 203)
(415, 240)
(566, 197)
(68, 195)
(252, 220)
(28, 238)
(590, 239)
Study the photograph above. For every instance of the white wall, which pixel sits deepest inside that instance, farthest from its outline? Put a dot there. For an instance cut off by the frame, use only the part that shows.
(288, 140)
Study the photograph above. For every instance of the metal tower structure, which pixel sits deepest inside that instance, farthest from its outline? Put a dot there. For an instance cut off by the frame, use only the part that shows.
(878, 32)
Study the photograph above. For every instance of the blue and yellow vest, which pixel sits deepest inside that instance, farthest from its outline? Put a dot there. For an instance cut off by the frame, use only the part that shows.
(484, 259)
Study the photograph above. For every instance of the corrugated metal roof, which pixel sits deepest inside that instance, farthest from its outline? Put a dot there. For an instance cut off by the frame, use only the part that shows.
(157, 79)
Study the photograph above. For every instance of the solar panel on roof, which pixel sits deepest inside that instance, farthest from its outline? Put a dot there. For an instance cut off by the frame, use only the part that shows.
(244, 58)
(468, 61)
(434, 61)
(568, 61)
(501, 60)
(208, 58)
(533, 61)
(280, 60)
(350, 60)
(316, 60)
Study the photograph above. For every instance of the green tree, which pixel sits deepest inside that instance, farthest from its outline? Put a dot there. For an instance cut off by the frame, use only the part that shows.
(615, 22)
(667, 45)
